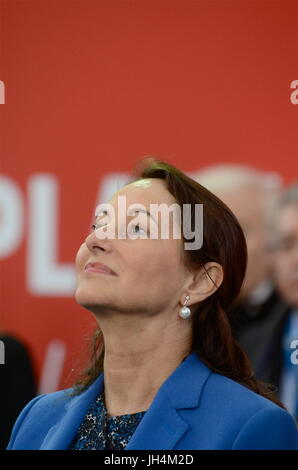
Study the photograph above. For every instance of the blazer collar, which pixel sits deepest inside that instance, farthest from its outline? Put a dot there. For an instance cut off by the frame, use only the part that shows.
(161, 427)
(61, 435)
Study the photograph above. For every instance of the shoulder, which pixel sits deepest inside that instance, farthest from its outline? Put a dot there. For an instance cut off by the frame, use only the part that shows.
(219, 390)
(43, 415)
(226, 390)
(269, 428)
(48, 402)
(223, 414)
(254, 422)
(39, 415)
(236, 399)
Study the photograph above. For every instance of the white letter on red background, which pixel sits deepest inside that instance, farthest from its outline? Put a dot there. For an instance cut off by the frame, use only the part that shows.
(45, 276)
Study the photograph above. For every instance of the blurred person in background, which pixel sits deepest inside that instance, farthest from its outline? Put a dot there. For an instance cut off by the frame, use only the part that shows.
(279, 361)
(250, 193)
(17, 383)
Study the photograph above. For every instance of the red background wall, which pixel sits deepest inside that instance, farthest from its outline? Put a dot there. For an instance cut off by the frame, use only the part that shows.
(92, 86)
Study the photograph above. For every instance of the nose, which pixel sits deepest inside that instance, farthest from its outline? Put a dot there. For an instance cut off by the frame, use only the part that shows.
(95, 244)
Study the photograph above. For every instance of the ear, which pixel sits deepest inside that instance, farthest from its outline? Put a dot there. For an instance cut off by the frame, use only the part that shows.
(203, 283)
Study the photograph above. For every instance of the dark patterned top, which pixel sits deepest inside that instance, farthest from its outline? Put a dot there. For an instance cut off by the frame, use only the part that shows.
(101, 432)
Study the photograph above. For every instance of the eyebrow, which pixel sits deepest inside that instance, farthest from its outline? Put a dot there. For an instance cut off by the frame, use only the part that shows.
(145, 212)
(135, 212)
(287, 238)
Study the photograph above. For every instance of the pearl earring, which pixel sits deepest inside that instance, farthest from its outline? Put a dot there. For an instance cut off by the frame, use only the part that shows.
(184, 311)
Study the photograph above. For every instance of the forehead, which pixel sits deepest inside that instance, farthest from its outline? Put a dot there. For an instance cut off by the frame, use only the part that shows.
(246, 201)
(145, 191)
(287, 219)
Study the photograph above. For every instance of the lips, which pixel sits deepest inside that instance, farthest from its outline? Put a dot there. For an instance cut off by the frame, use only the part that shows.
(98, 268)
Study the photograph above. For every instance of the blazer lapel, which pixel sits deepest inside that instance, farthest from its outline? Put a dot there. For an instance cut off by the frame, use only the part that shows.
(61, 435)
(162, 426)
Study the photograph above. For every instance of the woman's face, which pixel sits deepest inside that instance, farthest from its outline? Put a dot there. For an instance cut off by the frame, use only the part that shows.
(149, 273)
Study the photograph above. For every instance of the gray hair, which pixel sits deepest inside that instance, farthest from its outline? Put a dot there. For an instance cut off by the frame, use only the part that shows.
(287, 198)
(234, 177)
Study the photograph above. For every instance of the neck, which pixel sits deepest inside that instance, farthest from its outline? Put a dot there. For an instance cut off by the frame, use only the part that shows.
(140, 354)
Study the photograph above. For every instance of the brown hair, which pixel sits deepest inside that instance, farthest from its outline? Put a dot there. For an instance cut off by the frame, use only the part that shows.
(224, 243)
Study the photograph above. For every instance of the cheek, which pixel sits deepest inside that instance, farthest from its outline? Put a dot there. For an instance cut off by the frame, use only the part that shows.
(156, 265)
(281, 268)
(81, 257)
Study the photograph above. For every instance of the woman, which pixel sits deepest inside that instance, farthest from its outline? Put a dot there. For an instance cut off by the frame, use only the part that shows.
(166, 372)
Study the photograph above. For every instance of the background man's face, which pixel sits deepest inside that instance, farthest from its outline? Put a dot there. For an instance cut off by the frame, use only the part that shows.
(285, 256)
(248, 205)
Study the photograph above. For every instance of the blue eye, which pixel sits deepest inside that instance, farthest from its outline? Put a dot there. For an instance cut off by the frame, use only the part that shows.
(140, 229)
(137, 229)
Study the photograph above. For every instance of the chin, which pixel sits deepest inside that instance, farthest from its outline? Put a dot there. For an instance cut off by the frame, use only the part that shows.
(85, 297)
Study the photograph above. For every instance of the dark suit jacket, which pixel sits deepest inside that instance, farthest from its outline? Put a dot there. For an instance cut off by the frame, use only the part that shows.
(259, 330)
(17, 385)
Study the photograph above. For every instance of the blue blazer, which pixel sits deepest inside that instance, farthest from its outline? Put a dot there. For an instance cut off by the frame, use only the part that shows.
(194, 408)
